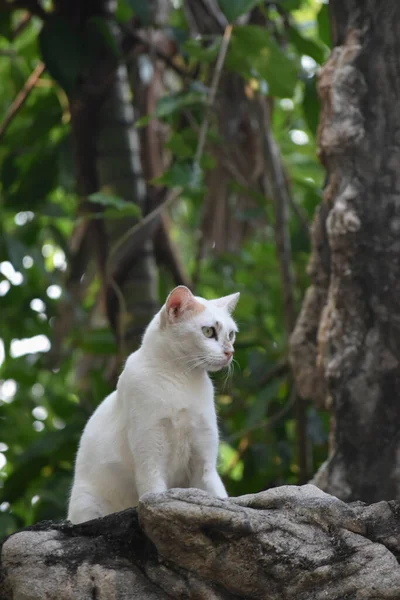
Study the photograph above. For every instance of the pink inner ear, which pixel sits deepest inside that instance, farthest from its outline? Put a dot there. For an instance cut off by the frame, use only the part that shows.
(179, 300)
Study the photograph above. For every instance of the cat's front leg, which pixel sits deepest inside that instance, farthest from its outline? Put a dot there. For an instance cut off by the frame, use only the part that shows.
(204, 474)
(149, 450)
(211, 482)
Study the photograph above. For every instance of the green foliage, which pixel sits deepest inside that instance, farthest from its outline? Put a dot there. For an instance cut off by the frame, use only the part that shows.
(306, 46)
(41, 412)
(114, 207)
(324, 28)
(174, 103)
(235, 8)
(254, 54)
(62, 51)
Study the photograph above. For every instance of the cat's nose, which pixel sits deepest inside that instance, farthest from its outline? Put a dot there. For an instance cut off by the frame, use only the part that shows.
(228, 354)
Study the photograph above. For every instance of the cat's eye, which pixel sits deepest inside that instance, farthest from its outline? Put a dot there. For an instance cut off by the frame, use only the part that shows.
(209, 332)
(231, 335)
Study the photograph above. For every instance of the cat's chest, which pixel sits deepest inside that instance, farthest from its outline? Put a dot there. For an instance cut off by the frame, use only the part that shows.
(182, 422)
(184, 403)
(181, 430)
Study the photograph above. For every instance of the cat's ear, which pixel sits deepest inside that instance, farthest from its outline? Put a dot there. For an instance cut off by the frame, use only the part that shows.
(228, 302)
(179, 302)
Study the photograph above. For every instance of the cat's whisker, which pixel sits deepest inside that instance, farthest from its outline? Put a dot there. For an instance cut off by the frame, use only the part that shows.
(194, 363)
(228, 375)
(235, 362)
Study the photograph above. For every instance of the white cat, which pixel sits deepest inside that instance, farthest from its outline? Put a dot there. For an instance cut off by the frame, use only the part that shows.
(158, 429)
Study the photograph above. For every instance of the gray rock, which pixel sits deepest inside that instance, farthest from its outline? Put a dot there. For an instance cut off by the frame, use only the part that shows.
(288, 543)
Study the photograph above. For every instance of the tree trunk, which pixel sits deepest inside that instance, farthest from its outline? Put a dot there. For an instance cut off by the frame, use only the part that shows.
(346, 347)
(292, 543)
(132, 297)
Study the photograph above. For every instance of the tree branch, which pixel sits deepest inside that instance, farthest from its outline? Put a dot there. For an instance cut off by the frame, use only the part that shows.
(21, 98)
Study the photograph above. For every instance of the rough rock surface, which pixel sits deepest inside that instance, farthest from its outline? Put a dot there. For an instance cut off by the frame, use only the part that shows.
(286, 543)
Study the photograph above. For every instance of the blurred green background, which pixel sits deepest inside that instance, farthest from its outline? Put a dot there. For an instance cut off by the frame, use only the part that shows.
(222, 226)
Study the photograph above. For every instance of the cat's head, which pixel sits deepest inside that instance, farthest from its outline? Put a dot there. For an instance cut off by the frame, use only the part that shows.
(201, 331)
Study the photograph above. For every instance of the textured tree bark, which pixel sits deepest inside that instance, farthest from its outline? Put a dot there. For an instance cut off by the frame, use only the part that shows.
(292, 543)
(345, 350)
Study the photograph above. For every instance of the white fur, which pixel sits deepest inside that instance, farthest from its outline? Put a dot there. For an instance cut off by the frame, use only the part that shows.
(158, 429)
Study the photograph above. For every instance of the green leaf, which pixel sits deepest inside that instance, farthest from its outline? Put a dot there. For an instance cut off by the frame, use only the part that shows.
(195, 48)
(180, 146)
(233, 9)
(116, 207)
(311, 104)
(184, 175)
(179, 175)
(324, 26)
(254, 54)
(62, 51)
(306, 46)
(142, 9)
(129, 210)
(171, 104)
(124, 12)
